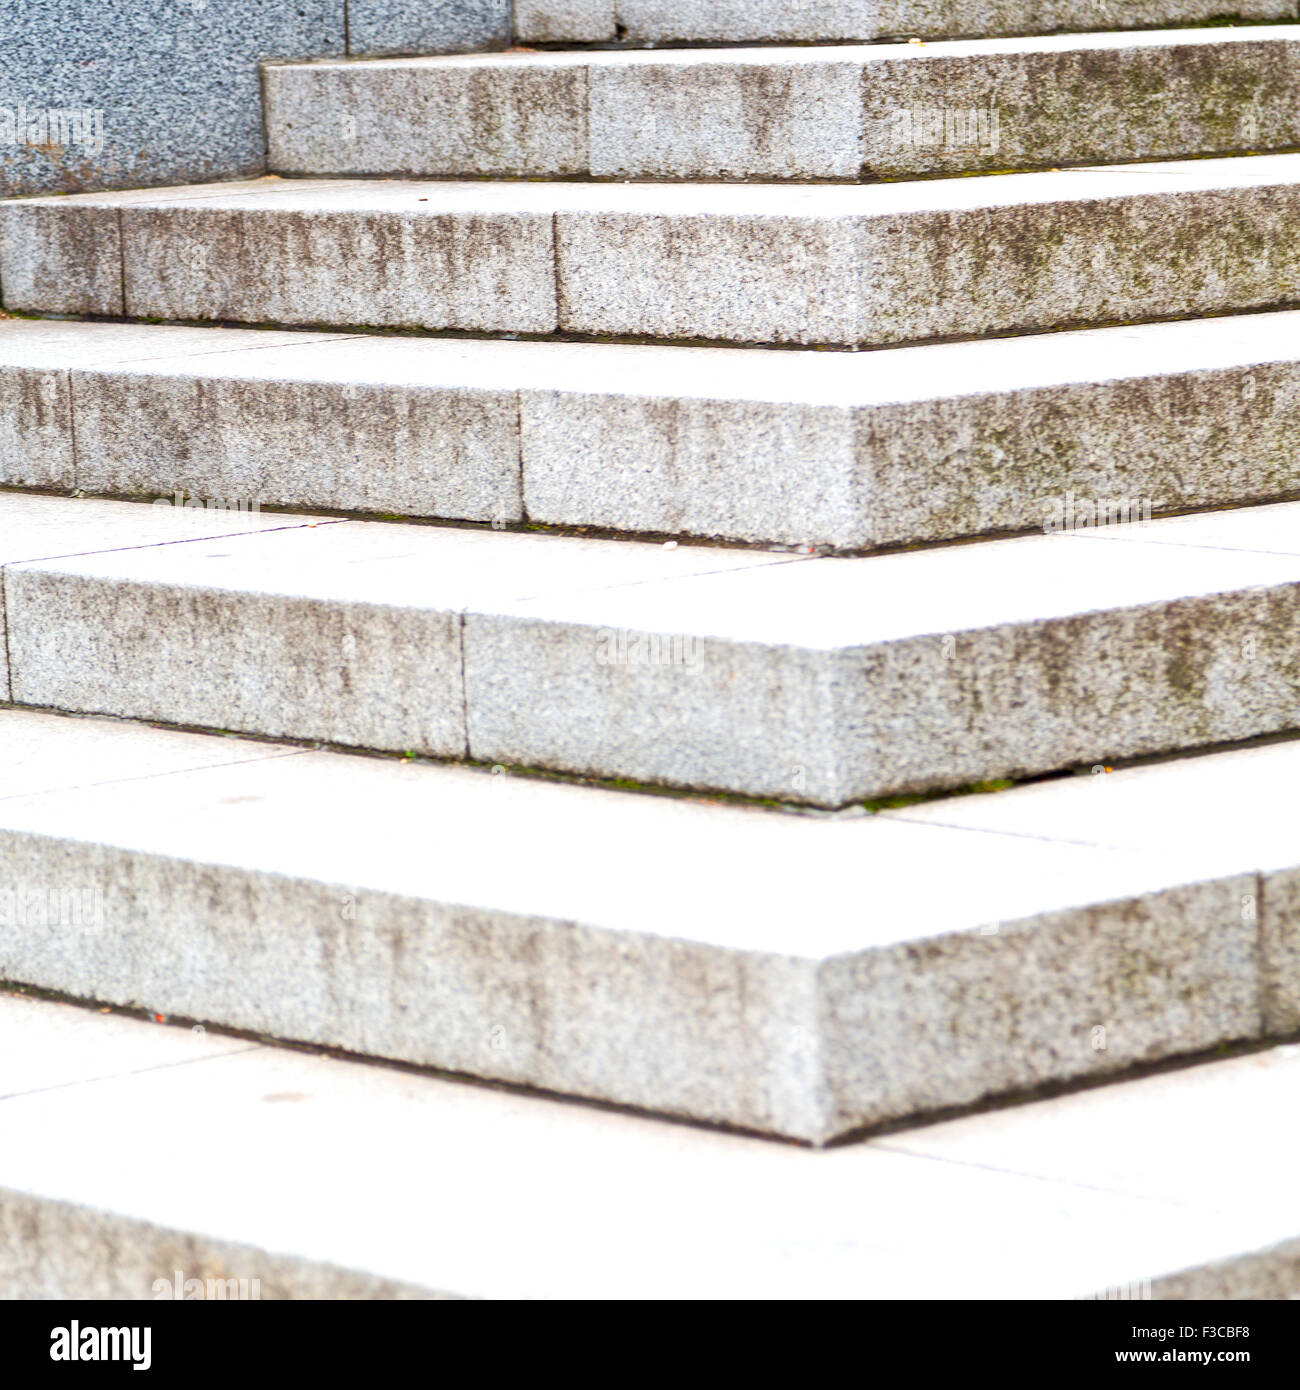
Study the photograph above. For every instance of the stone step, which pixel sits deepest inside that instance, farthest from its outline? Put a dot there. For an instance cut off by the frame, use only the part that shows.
(831, 21)
(841, 450)
(762, 263)
(838, 113)
(818, 680)
(795, 975)
(1127, 1192)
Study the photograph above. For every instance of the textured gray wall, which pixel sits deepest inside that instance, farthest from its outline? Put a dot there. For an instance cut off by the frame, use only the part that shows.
(149, 92)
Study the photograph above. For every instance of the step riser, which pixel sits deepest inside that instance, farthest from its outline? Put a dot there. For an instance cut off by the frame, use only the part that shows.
(57, 1250)
(715, 983)
(701, 442)
(760, 21)
(369, 638)
(1112, 1193)
(926, 714)
(724, 276)
(1005, 270)
(838, 115)
(770, 1044)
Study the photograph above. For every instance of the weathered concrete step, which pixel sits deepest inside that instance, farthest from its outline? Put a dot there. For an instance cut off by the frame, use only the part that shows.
(717, 962)
(1124, 1192)
(839, 113)
(842, 450)
(824, 264)
(818, 680)
(804, 21)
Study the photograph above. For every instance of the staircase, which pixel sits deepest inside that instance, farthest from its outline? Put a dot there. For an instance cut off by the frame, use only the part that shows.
(753, 584)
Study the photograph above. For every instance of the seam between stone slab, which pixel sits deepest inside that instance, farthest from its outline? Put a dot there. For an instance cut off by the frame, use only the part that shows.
(6, 566)
(155, 545)
(901, 815)
(521, 460)
(464, 684)
(134, 1071)
(596, 60)
(72, 433)
(1073, 1183)
(4, 628)
(561, 294)
(121, 265)
(179, 354)
(1191, 545)
(144, 777)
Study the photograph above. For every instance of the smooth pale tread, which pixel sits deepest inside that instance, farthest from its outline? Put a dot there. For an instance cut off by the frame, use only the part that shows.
(809, 114)
(1017, 1195)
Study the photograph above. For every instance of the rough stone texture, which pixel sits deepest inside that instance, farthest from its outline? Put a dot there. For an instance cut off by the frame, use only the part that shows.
(1279, 915)
(836, 113)
(36, 425)
(778, 1000)
(798, 117)
(176, 87)
(278, 658)
(916, 444)
(448, 117)
(1272, 1274)
(1022, 252)
(426, 26)
(749, 263)
(60, 258)
(741, 21)
(1157, 809)
(354, 641)
(970, 438)
(1016, 1194)
(1075, 100)
(58, 1250)
(930, 1024)
(832, 680)
(37, 527)
(840, 450)
(565, 21)
(823, 680)
(371, 426)
(704, 441)
(477, 257)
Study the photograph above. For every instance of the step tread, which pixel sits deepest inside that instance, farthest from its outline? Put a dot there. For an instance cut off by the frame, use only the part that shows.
(780, 202)
(801, 975)
(751, 21)
(843, 113)
(719, 262)
(754, 671)
(1124, 1189)
(841, 450)
(899, 375)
